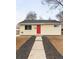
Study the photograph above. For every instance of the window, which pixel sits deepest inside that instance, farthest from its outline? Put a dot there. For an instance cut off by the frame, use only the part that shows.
(28, 27)
(55, 25)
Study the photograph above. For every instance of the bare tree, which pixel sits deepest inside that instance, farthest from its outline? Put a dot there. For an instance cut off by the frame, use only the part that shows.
(53, 3)
(31, 16)
(60, 16)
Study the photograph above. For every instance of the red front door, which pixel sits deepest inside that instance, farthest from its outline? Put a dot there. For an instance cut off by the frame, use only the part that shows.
(38, 29)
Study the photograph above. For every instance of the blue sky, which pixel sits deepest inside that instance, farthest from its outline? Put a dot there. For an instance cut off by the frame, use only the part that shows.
(25, 6)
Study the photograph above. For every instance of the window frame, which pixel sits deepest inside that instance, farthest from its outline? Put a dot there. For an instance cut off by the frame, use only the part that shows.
(56, 25)
(28, 27)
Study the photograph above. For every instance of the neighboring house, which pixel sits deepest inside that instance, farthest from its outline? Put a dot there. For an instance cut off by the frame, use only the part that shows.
(17, 29)
(40, 27)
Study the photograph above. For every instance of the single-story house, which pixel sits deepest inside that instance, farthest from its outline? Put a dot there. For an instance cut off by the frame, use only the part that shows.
(40, 27)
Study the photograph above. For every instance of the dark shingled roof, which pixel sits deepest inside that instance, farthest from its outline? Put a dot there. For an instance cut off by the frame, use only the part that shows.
(40, 21)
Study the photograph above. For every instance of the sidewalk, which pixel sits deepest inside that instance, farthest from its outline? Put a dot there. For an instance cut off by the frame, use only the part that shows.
(37, 51)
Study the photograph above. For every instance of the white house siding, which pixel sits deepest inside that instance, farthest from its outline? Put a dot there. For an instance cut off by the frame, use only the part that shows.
(50, 30)
(45, 30)
(27, 32)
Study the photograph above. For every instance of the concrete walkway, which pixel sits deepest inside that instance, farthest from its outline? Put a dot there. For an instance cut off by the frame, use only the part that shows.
(37, 51)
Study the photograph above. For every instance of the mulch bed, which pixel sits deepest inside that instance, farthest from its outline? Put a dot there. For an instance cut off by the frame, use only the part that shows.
(50, 50)
(24, 51)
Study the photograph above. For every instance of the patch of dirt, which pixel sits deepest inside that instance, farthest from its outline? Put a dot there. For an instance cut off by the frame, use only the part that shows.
(20, 40)
(57, 41)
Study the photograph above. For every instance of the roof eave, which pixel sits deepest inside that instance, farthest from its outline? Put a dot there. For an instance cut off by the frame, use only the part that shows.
(38, 23)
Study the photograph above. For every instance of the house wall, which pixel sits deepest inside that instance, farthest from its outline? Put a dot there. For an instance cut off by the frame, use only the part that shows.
(45, 30)
(50, 30)
(27, 32)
